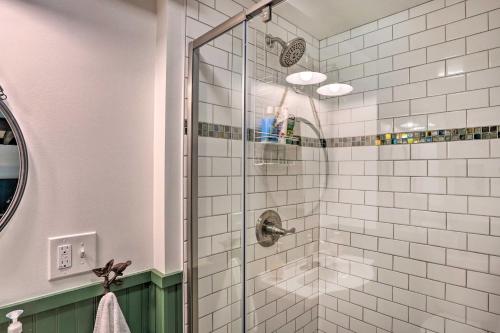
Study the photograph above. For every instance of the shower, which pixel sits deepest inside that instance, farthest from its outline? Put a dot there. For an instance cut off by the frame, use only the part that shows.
(291, 52)
(330, 188)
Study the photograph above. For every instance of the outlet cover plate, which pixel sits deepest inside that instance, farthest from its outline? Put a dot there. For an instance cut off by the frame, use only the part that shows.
(80, 263)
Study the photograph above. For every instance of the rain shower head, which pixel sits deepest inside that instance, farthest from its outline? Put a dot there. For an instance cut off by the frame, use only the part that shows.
(291, 52)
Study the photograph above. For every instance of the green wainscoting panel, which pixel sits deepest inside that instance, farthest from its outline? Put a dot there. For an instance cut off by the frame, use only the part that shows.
(150, 301)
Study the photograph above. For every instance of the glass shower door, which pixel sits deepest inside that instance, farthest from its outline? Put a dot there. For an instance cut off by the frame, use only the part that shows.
(243, 278)
(216, 185)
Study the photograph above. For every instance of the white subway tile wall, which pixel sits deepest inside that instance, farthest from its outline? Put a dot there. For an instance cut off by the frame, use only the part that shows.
(402, 238)
(428, 242)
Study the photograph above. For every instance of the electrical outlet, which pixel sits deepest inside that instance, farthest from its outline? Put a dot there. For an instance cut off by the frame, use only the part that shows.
(72, 254)
(64, 256)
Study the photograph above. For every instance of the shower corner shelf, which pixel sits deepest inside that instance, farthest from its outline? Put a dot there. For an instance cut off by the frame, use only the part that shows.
(273, 152)
(274, 141)
(272, 144)
(260, 162)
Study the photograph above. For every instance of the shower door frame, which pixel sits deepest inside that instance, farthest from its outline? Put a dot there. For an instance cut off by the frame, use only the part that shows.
(192, 158)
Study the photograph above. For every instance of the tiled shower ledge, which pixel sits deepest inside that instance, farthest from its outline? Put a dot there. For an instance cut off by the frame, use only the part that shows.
(444, 135)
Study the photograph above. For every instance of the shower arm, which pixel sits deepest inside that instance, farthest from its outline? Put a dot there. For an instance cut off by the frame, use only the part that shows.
(270, 40)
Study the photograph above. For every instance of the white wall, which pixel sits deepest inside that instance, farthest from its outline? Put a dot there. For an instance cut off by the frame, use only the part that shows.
(80, 80)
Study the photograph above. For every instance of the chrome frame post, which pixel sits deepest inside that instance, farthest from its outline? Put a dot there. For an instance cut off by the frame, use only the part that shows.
(192, 188)
(243, 178)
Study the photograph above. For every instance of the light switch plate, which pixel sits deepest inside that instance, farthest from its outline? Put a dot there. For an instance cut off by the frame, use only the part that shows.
(80, 252)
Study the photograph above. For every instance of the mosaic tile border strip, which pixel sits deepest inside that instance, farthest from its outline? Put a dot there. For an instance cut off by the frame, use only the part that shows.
(456, 134)
(219, 131)
(235, 133)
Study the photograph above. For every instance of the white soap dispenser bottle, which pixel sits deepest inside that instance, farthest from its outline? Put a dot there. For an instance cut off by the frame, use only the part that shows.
(15, 326)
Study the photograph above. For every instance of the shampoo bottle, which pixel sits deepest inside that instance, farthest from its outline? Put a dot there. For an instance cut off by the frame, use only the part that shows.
(281, 122)
(290, 126)
(267, 126)
(15, 326)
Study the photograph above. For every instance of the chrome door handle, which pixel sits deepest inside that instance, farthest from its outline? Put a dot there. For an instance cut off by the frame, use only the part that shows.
(268, 229)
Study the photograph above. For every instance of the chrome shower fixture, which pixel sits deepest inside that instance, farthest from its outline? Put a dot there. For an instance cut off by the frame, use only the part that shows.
(291, 52)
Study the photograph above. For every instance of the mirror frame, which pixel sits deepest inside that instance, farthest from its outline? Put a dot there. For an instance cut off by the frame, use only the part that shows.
(23, 162)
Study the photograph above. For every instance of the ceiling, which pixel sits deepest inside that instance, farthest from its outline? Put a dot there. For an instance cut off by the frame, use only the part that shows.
(324, 18)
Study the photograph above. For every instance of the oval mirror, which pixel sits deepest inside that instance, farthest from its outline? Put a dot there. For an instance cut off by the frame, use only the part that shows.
(13, 162)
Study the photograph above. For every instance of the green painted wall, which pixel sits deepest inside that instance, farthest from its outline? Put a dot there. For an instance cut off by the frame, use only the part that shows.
(150, 301)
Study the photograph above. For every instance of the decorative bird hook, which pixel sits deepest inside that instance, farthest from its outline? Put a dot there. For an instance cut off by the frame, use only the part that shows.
(106, 272)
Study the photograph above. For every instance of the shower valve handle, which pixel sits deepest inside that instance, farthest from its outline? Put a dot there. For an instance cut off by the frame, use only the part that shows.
(276, 230)
(268, 229)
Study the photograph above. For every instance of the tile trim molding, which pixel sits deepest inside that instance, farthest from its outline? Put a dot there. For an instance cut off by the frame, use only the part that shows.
(395, 138)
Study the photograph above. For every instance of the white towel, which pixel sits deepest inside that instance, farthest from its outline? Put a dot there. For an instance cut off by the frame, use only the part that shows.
(109, 318)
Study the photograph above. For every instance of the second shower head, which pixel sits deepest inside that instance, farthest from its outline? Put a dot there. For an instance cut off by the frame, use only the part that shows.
(291, 52)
